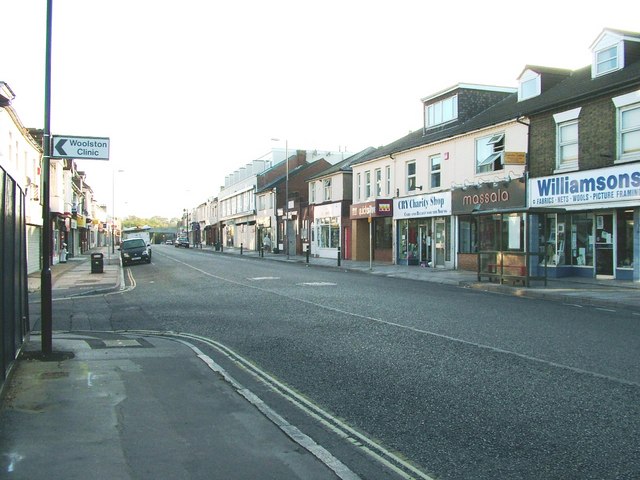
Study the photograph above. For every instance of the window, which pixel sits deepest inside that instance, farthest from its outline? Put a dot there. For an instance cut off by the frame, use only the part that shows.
(367, 184)
(567, 139)
(606, 60)
(312, 192)
(411, 176)
(388, 178)
(328, 232)
(435, 161)
(630, 132)
(378, 183)
(628, 126)
(327, 189)
(442, 112)
(467, 240)
(625, 238)
(359, 187)
(490, 153)
(530, 85)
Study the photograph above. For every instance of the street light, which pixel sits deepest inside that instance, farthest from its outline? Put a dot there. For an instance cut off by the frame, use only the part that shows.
(286, 196)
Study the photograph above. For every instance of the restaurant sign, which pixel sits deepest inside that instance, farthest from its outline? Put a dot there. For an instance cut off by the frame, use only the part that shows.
(489, 196)
(383, 207)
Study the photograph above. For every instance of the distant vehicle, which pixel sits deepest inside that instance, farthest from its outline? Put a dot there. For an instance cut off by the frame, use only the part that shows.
(169, 242)
(182, 242)
(137, 232)
(135, 250)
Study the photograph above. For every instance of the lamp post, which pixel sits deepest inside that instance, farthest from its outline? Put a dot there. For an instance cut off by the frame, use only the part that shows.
(286, 196)
(113, 212)
(186, 214)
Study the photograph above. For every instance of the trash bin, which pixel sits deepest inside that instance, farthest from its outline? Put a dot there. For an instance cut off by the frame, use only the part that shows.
(97, 263)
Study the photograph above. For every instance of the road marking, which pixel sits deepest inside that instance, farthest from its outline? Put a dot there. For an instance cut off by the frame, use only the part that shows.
(424, 332)
(317, 284)
(397, 464)
(340, 469)
(259, 279)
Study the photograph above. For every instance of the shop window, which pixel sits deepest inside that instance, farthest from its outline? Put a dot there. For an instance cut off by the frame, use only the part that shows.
(582, 239)
(501, 232)
(408, 242)
(383, 235)
(328, 232)
(467, 241)
(625, 238)
(569, 240)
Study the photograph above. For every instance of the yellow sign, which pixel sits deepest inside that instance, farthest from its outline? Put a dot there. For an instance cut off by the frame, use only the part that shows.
(515, 158)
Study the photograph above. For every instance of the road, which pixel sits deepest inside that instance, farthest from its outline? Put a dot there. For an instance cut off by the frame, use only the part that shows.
(432, 381)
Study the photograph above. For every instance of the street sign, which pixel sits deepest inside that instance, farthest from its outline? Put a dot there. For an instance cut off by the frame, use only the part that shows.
(86, 148)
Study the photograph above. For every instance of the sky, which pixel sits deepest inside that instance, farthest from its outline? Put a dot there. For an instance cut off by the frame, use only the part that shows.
(190, 91)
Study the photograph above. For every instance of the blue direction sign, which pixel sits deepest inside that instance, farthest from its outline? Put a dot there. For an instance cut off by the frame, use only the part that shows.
(86, 148)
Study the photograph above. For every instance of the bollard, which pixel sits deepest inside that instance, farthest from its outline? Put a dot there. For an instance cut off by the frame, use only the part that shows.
(338, 256)
(240, 249)
(221, 247)
(308, 248)
(262, 252)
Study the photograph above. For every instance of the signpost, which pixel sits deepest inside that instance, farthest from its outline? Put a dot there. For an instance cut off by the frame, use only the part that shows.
(84, 148)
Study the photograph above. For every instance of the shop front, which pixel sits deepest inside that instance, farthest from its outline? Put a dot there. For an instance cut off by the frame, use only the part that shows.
(372, 231)
(477, 230)
(424, 230)
(266, 234)
(597, 232)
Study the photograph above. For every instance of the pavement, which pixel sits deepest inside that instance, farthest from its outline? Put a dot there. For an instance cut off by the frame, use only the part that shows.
(113, 405)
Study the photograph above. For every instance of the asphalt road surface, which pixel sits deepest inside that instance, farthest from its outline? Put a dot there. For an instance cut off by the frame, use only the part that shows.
(401, 378)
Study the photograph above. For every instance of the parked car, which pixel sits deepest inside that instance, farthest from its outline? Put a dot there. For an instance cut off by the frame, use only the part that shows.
(182, 242)
(135, 250)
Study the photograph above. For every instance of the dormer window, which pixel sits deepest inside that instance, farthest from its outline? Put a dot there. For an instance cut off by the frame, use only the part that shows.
(441, 112)
(608, 53)
(606, 61)
(530, 85)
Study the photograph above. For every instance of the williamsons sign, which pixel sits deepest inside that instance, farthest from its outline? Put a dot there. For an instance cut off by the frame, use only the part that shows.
(614, 184)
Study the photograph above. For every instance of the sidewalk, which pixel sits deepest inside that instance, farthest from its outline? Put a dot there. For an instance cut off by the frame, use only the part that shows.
(617, 294)
(111, 405)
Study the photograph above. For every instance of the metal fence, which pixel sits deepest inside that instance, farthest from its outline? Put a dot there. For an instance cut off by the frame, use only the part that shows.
(14, 302)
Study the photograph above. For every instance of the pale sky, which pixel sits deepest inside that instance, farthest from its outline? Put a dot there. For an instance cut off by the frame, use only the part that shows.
(190, 91)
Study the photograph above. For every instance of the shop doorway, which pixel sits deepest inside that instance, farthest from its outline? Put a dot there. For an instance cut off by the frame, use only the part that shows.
(440, 246)
(604, 245)
(424, 245)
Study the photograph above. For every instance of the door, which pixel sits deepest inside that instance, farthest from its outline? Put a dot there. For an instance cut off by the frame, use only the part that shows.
(604, 245)
(440, 240)
(423, 245)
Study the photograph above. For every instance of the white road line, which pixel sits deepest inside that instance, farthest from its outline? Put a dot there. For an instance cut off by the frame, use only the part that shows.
(424, 332)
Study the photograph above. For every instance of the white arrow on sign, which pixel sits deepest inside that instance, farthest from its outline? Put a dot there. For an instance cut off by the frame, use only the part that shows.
(89, 148)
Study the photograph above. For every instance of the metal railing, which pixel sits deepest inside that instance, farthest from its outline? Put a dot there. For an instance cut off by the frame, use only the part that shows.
(14, 302)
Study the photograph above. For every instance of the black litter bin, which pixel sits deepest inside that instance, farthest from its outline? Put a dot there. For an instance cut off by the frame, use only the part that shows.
(97, 263)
